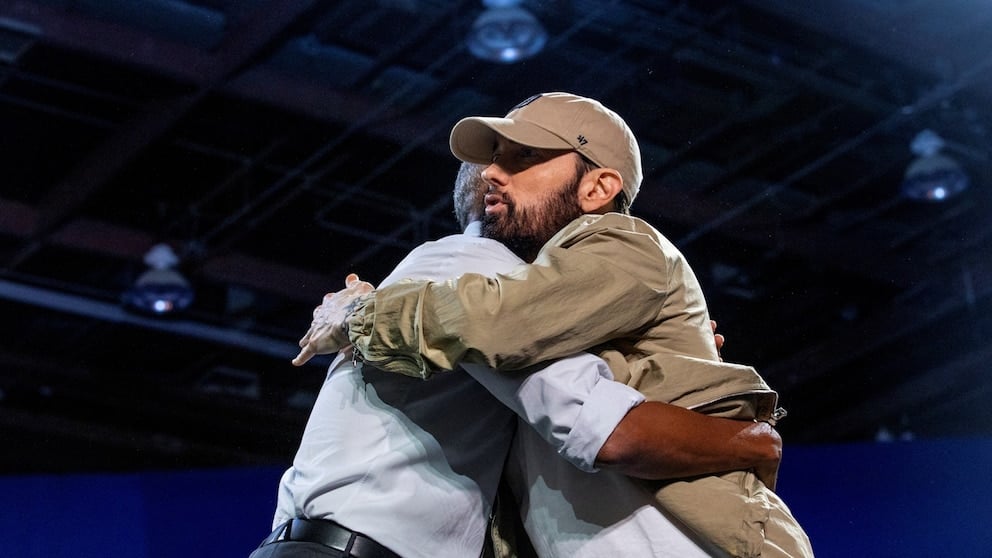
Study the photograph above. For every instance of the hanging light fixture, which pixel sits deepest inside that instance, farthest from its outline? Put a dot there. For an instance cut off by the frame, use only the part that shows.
(160, 290)
(932, 176)
(506, 33)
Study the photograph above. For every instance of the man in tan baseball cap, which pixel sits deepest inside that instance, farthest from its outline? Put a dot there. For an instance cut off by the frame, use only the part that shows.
(600, 278)
(558, 121)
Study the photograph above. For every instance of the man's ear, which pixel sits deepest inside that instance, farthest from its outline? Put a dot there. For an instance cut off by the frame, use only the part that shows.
(597, 190)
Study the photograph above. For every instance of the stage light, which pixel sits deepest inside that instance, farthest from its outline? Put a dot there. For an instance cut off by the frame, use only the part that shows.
(932, 176)
(506, 33)
(160, 290)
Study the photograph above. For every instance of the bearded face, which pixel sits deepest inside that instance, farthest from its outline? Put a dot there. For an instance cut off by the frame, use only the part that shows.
(524, 230)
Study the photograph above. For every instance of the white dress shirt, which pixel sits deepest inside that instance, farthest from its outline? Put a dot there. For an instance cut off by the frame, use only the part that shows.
(571, 514)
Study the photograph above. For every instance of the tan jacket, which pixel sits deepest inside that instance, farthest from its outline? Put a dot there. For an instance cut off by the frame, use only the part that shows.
(614, 283)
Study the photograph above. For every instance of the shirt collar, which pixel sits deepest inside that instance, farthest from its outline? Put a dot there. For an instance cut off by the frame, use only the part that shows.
(474, 228)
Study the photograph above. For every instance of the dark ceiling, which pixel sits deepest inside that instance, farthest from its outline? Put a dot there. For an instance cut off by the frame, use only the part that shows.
(278, 145)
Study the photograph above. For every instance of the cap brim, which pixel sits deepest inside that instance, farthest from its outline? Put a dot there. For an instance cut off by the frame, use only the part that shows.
(473, 139)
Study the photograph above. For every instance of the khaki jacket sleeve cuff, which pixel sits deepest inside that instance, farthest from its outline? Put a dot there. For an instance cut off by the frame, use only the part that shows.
(371, 346)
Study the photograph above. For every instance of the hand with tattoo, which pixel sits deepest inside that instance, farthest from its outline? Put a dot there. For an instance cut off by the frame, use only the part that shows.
(328, 331)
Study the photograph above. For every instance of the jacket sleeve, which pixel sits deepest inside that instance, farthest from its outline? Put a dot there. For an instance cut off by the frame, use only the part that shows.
(598, 284)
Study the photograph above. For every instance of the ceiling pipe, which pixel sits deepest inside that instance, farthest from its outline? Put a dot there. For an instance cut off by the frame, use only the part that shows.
(112, 312)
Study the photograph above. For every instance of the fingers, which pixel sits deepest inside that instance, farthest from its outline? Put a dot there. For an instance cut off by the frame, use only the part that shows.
(718, 338)
(352, 282)
(305, 355)
(328, 331)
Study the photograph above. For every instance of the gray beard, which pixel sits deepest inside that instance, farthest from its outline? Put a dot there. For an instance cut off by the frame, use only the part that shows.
(525, 231)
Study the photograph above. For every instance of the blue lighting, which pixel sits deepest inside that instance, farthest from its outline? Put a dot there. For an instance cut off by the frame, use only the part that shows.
(934, 178)
(159, 292)
(506, 35)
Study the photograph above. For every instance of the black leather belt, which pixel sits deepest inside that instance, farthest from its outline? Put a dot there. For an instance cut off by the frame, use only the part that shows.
(330, 534)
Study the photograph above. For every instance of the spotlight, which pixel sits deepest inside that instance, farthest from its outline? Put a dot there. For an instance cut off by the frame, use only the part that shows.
(932, 176)
(161, 290)
(506, 33)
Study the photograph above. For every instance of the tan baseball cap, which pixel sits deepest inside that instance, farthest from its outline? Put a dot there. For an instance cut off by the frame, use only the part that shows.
(556, 121)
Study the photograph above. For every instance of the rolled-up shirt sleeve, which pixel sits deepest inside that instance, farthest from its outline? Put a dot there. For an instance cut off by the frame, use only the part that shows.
(573, 403)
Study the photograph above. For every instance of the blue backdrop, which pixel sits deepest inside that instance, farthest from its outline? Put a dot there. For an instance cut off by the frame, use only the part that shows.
(903, 499)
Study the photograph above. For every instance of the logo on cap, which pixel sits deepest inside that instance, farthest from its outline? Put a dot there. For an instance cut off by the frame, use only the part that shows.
(527, 101)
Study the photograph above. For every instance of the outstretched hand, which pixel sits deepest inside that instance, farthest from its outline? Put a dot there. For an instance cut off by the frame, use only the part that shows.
(328, 331)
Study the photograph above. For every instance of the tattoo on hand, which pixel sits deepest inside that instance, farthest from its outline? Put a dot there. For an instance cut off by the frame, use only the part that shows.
(353, 306)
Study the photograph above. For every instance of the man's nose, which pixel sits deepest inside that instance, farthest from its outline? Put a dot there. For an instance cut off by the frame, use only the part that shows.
(494, 175)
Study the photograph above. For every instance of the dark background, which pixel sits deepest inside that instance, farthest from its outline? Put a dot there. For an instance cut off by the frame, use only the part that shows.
(279, 145)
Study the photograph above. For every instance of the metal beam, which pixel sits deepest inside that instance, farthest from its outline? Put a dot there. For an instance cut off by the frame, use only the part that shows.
(99, 237)
(82, 306)
(242, 45)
